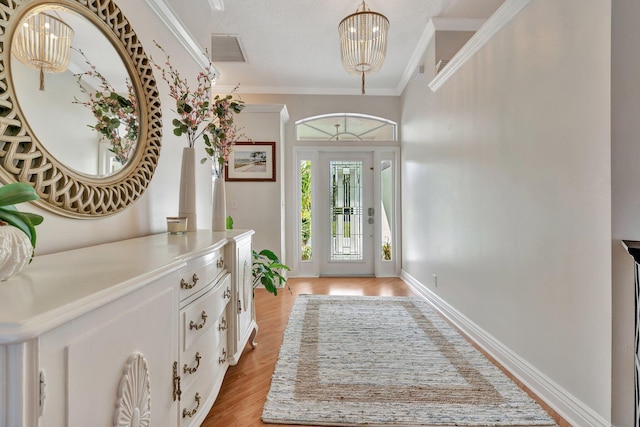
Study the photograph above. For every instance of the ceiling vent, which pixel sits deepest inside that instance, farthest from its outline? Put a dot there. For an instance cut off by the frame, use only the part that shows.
(226, 48)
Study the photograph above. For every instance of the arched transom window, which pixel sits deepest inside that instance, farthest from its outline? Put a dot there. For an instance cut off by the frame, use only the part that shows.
(346, 127)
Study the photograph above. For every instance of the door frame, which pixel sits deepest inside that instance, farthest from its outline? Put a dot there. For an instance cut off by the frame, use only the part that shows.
(382, 268)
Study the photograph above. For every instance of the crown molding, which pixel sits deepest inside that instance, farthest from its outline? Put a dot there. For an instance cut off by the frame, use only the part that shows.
(498, 20)
(168, 16)
(280, 109)
(416, 58)
(433, 25)
(282, 90)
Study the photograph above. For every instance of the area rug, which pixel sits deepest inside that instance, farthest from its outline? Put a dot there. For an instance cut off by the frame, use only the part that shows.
(387, 361)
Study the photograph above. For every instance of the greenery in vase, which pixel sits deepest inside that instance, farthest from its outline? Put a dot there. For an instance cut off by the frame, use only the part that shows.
(386, 251)
(267, 271)
(117, 115)
(198, 116)
(305, 208)
(12, 194)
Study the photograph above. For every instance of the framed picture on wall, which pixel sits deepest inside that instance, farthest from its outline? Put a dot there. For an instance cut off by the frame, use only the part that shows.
(252, 161)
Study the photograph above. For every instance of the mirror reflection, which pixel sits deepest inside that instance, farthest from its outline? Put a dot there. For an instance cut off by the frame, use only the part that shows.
(87, 115)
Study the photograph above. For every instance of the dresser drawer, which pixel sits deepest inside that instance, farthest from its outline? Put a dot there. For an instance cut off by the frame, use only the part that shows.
(202, 387)
(200, 272)
(201, 315)
(210, 349)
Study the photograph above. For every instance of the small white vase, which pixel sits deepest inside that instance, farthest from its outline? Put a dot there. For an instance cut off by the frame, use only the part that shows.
(219, 208)
(187, 200)
(15, 251)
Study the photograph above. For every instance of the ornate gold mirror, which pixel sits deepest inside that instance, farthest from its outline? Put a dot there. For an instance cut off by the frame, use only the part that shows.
(52, 139)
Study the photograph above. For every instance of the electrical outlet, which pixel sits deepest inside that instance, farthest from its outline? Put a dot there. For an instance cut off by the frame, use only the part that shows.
(435, 280)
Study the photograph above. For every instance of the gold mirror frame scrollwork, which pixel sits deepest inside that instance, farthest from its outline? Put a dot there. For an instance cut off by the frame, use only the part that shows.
(23, 157)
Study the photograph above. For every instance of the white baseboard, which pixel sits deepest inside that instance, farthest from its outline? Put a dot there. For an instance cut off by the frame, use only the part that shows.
(565, 404)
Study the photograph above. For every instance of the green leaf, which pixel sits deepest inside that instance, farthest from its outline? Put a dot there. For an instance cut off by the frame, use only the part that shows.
(269, 254)
(177, 132)
(34, 218)
(17, 192)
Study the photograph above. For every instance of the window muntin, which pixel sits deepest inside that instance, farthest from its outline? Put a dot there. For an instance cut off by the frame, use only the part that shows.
(346, 127)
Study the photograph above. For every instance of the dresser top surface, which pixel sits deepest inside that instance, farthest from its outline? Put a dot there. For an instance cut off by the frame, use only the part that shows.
(58, 287)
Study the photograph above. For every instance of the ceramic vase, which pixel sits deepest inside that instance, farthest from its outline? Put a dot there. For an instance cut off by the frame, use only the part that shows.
(219, 208)
(15, 251)
(187, 200)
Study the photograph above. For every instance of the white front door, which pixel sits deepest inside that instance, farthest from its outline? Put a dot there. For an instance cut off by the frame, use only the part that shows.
(346, 214)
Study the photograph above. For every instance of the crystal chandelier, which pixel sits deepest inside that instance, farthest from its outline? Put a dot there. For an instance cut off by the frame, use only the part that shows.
(43, 42)
(363, 41)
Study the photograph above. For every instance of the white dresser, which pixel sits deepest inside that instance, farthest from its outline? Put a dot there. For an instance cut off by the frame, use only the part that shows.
(137, 332)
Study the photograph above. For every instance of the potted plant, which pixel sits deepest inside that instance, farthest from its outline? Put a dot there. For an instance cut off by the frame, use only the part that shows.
(17, 229)
(267, 271)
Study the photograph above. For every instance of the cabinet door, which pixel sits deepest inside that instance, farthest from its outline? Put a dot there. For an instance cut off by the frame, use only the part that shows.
(243, 328)
(114, 363)
(245, 290)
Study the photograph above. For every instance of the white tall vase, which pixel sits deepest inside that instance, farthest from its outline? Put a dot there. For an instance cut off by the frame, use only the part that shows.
(219, 208)
(187, 201)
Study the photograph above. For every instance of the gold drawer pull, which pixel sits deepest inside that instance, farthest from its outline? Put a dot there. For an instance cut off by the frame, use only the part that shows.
(194, 325)
(176, 383)
(227, 294)
(220, 263)
(185, 285)
(223, 325)
(192, 412)
(187, 370)
(223, 359)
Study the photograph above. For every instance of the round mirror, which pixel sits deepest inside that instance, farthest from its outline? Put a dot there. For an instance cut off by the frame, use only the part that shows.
(79, 111)
(86, 115)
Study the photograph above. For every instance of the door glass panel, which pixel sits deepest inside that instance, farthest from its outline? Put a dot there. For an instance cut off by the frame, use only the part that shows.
(346, 211)
(305, 209)
(386, 208)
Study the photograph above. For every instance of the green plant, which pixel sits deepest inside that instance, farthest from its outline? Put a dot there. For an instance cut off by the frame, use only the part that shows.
(19, 192)
(229, 223)
(267, 271)
(386, 251)
(305, 200)
(306, 252)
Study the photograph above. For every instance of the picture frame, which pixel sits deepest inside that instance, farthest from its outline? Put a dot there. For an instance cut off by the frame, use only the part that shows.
(251, 161)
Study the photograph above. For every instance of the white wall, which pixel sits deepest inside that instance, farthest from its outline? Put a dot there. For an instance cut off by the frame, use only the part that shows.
(507, 192)
(625, 153)
(256, 205)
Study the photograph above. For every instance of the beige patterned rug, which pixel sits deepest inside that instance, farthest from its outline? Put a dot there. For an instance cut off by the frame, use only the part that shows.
(387, 361)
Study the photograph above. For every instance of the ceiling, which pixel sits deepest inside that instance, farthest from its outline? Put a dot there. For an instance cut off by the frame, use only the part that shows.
(292, 46)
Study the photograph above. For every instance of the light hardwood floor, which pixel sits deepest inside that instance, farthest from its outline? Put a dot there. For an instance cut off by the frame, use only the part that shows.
(246, 385)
